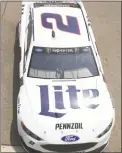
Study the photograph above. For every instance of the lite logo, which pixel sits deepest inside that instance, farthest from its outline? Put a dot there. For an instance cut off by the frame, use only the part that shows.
(72, 23)
(59, 101)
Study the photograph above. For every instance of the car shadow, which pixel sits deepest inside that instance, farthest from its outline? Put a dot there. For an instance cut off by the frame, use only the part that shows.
(14, 137)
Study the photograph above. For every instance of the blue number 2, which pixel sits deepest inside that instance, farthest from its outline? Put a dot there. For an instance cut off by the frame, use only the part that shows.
(71, 27)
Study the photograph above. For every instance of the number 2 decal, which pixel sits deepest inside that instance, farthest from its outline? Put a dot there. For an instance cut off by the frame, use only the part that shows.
(72, 23)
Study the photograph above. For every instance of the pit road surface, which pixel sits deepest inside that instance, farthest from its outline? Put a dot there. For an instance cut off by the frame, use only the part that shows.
(106, 22)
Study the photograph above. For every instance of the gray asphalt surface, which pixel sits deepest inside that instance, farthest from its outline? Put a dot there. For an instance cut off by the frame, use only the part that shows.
(106, 21)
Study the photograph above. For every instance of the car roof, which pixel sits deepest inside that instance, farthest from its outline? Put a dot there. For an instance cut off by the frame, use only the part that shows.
(44, 36)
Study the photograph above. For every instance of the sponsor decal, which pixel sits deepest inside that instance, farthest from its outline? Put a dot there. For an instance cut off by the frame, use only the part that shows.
(54, 4)
(32, 143)
(63, 126)
(39, 49)
(70, 138)
(71, 91)
(18, 105)
(113, 103)
(62, 51)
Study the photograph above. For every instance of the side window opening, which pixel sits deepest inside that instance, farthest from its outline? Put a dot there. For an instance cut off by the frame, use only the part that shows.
(27, 41)
(29, 34)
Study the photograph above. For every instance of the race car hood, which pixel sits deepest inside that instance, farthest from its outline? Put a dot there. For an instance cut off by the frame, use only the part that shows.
(67, 107)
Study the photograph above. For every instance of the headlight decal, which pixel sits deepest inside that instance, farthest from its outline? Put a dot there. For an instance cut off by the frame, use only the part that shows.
(31, 134)
(106, 130)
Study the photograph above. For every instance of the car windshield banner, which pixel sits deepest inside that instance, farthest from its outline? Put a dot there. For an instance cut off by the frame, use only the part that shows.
(48, 50)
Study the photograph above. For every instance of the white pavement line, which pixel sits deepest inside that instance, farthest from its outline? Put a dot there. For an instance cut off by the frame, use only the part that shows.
(12, 149)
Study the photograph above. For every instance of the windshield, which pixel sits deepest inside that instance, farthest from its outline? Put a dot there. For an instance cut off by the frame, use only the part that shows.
(62, 63)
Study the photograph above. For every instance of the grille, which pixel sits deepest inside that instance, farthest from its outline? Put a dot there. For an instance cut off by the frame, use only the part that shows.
(100, 149)
(28, 149)
(69, 148)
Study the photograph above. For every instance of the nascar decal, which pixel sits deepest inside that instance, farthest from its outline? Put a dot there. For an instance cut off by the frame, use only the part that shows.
(59, 100)
(63, 126)
(72, 23)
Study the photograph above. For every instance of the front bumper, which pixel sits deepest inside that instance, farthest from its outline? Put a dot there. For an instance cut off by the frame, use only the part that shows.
(33, 146)
(95, 147)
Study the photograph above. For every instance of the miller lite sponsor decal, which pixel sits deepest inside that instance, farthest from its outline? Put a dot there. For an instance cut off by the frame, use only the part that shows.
(59, 99)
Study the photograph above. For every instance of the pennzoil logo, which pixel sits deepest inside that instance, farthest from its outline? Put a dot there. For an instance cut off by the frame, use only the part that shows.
(63, 126)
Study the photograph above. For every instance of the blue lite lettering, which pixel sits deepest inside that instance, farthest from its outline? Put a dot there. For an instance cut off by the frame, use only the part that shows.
(44, 92)
(59, 103)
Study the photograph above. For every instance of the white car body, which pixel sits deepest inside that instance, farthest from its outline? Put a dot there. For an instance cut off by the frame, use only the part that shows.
(61, 129)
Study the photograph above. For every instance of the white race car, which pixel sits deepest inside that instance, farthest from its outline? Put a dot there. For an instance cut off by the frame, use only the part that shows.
(63, 104)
